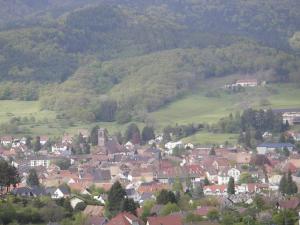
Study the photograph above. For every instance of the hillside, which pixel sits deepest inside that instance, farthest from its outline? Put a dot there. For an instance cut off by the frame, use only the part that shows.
(146, 83)
(117, 61)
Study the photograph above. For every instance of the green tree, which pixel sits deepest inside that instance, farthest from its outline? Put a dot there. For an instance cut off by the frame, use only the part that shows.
(285, 217)
(169, 208)
(63, 163)
(147, 134)
(206, 181)
(37, 144)
(177, 185)
(212, 151)
(132, 133)
(94, 135)
(213, 215)
(33, 179)
(116, 196)
(165, 196)
(8, 175)
(286, 152)
(246, 178)
(291, 187)
(128, 205)
(231, 186)
(287, 185)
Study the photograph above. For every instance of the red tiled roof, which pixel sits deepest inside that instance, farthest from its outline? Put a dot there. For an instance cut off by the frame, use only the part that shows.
(124, 218)
(216, 187)
(203, 211)
(165, 220)
(292, 203)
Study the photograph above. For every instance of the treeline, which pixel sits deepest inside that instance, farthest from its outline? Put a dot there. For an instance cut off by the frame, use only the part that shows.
(19, 91)
(154, 80)
(252, 124)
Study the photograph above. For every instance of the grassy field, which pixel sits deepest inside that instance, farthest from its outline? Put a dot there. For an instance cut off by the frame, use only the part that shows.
(197, 108)
(205, 138)
(193, 108)
(9, 109)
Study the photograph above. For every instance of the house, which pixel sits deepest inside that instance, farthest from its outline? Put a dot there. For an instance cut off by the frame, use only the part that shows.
(125, 218)
(204, 210)
(29, 191)
(60, 192)
(36, 161)
(74, 201)
(93, 210)
(292, 203)
(6, 140)
(246, 83)
(271, 147)
(165, 220)
(152, 187)
(224, 176)
(171, 145)
(291, 117)
(44, 140)
(132, 193)
(215, 189)
(96, 220)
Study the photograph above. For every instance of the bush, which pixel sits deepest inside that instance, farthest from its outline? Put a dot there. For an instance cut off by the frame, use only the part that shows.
(80, 206)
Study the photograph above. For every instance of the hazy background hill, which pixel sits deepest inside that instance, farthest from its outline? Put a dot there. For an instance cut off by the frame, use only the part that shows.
(96, 60)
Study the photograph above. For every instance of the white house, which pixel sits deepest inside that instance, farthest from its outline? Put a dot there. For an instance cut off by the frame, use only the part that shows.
(129, 145)
(270, 147)
(40, 162)
(247, 83)
(291, 117)
(60, 192)
(74, 201)
(224, 176)
(171, 145)
(215, 190)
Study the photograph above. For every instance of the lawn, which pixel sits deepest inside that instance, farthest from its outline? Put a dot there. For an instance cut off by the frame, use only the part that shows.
(206, 138)
(198, 108)
(192, 108)
(9, 109)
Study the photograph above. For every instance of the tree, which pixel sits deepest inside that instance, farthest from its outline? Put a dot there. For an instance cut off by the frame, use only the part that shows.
(132, 133)
(285, 217)
(286, 152)
(116, 196)
(283, 184)
(291, 187)
(177, 185)
(33, 179)
(147, 134)
(8, 175)
(165, 196)
(63, 163)
(37, 144)
(206, 181)
(80, 206)
(212, 151)
(128, 205)
(198, 192)
(169, 208)
(231, 186)
(246, 178)
(94, 135)
(287, 185)
(28, 142)
(213, 215)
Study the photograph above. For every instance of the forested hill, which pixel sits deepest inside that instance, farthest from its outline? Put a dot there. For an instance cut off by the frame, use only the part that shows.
(151, 51)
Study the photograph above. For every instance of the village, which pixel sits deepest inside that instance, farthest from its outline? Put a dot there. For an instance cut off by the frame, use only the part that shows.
(203, 179)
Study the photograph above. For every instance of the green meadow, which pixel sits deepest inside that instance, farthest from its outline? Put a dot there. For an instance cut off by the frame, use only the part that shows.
(197, 107)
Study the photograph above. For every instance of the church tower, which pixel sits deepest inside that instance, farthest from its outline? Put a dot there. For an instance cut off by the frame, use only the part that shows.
(102, 137)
